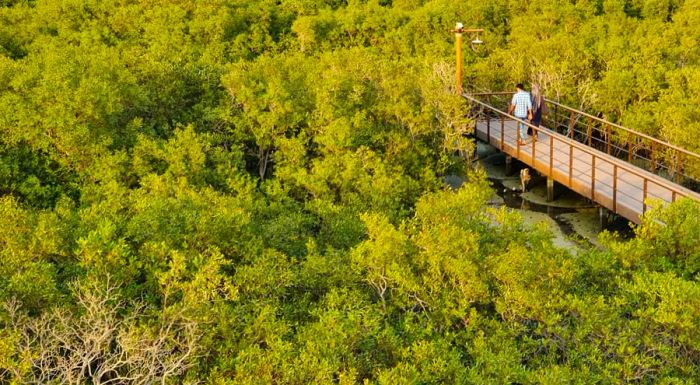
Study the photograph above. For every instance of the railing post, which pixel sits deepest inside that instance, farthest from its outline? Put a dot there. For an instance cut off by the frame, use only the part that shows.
(614, 188)
(629, 148)
(534, 154)
(679, 167)
(593, 158)
(653, 156)
(476, 122)
(551, 155)
(517, 141)
(590, 131)
(644, 196)
(571, 163)
(488, 130)
(571, 125)
(608, 135)
(556, 118)
(503, 129)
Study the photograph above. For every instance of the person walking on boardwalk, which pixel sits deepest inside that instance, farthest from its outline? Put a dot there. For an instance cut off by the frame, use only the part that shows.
(539, 108)
(521, 108)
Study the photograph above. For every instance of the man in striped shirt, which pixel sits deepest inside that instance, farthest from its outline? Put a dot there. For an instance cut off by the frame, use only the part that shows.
(521, 108)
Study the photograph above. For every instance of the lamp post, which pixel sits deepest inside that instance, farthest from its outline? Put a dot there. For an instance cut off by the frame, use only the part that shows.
(459, 30)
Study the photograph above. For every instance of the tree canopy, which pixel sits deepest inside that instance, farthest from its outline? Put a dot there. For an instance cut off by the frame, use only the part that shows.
(247, 192)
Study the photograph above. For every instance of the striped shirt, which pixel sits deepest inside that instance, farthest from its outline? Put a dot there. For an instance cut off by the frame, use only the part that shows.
(521, 101)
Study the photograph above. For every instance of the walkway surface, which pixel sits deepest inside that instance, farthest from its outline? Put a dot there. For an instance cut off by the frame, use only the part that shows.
(611, 182)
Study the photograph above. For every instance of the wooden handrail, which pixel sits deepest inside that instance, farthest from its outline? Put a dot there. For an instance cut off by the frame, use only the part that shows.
(627, 167)
(490, 93)
(628, 130)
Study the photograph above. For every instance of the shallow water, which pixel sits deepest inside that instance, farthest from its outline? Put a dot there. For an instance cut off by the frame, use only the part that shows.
(514, 200)
(573, 216)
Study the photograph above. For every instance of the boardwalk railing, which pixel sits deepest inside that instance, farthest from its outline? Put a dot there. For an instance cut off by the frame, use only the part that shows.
(613, 182)
(651, 154)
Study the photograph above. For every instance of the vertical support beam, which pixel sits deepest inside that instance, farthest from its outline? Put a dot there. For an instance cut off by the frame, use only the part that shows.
(555, 126)
(608, 138)
(503, 130)
(593, 167)
(614, 188)
(551, 155)
(550, 189)
(653, 156)
(590, 131)
(517, 142)
(509, 164)
(534, 154)
(488, 130)
(629, 148)
(644, 195)
(603, 217)
(571, 124)
(679, 167)
(571, 163)
(476, 123)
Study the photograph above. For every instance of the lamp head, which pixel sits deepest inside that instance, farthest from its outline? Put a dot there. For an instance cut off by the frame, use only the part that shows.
(477, 40)
(459, 26)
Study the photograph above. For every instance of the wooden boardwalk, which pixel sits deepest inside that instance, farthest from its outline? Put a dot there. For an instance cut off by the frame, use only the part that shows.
(611, 182)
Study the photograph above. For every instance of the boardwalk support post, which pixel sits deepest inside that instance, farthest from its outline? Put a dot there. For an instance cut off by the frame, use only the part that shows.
(550, 189)
(605, 217)
(509, 164)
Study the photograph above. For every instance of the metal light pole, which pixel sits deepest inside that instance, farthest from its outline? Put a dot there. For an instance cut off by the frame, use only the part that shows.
(458, 46)
(459, 30)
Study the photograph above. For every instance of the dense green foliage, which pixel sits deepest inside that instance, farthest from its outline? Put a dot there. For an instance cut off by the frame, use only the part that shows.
(250, 192)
